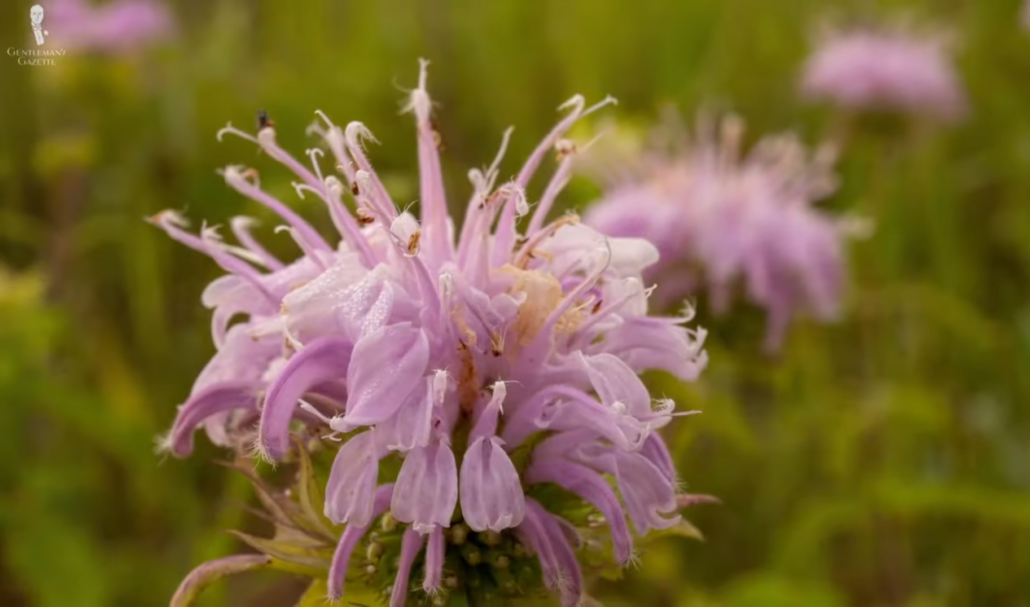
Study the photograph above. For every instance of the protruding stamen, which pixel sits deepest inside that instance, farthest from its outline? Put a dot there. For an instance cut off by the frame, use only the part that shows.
(229, 129)
(238, 181)
(304, 245)
(505, 235)
(240, 226)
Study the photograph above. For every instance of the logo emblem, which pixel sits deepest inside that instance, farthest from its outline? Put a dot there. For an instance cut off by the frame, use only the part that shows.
(36, 17)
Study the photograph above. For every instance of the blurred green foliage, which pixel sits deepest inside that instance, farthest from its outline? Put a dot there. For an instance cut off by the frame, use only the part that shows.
(884, 460)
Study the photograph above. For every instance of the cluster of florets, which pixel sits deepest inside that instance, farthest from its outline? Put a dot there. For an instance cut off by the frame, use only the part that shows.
(489, 363)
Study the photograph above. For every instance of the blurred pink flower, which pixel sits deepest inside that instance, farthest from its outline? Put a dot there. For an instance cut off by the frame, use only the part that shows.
(114, 27)
(895, 69)
(721, 216)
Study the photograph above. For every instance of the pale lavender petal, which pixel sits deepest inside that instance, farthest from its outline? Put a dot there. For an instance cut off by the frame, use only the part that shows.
(387, 366)
(535, 535)
(349, 540)
(321, 361)
(491, 494)
(591, 487)
(647, 492)
(617, 384)
(410, 547)
(410, 427)
(218, 398)
(653, 343)
(658, 454)
(350, 492)
(434, 561)
(557, 560)
(426, 488)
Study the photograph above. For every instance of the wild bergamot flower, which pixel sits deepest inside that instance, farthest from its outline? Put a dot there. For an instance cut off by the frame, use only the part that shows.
(496, 365)
(888, 68)
(723, 217)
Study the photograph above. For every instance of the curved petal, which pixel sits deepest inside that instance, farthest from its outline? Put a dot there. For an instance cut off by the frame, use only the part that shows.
(348, 541)
(647, 492)
(410, 547)
(615, 383)
(320, 361)
(591, 487)
(218, 398)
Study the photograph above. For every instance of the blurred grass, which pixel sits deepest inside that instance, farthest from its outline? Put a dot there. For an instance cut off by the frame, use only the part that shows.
(884, 460)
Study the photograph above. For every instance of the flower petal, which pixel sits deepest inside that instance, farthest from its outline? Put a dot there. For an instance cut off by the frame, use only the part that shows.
(348, 541)
(218, 398)
(410, 547)
(322, 360)
(617, 385)
(350, 492)
(426, 489)
(387, 365)
(591, 487)
(411, 425)
(491, 494)
(434, 561)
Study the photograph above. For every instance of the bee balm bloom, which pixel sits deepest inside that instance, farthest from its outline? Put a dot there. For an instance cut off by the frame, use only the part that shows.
(724, 217)
(116, 27)
(488, 362)
(888, 69)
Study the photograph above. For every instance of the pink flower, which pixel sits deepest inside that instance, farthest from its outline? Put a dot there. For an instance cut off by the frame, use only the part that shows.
(117, 27)
(449, 348)
(725, 218)
(893, 69)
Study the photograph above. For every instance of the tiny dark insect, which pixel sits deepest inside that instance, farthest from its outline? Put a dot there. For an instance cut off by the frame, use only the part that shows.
(364, 218)
(263, 120)
(354, 188)
(597, 307)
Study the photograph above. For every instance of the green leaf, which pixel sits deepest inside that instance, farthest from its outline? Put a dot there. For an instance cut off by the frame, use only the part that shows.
(291, 556)
(312, 499)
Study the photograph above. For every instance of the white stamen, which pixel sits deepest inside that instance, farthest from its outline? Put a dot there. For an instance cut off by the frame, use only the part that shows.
(609, 100)
(440, 383)
(231, 130)
(315, 154)
(357, 133)
(491, 173)
(577, 103)
(364, 181)
(500, 391)
(334, 185)
(521, 204)
(312, 410)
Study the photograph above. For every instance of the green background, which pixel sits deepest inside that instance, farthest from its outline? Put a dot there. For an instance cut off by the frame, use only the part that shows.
(882, 460)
